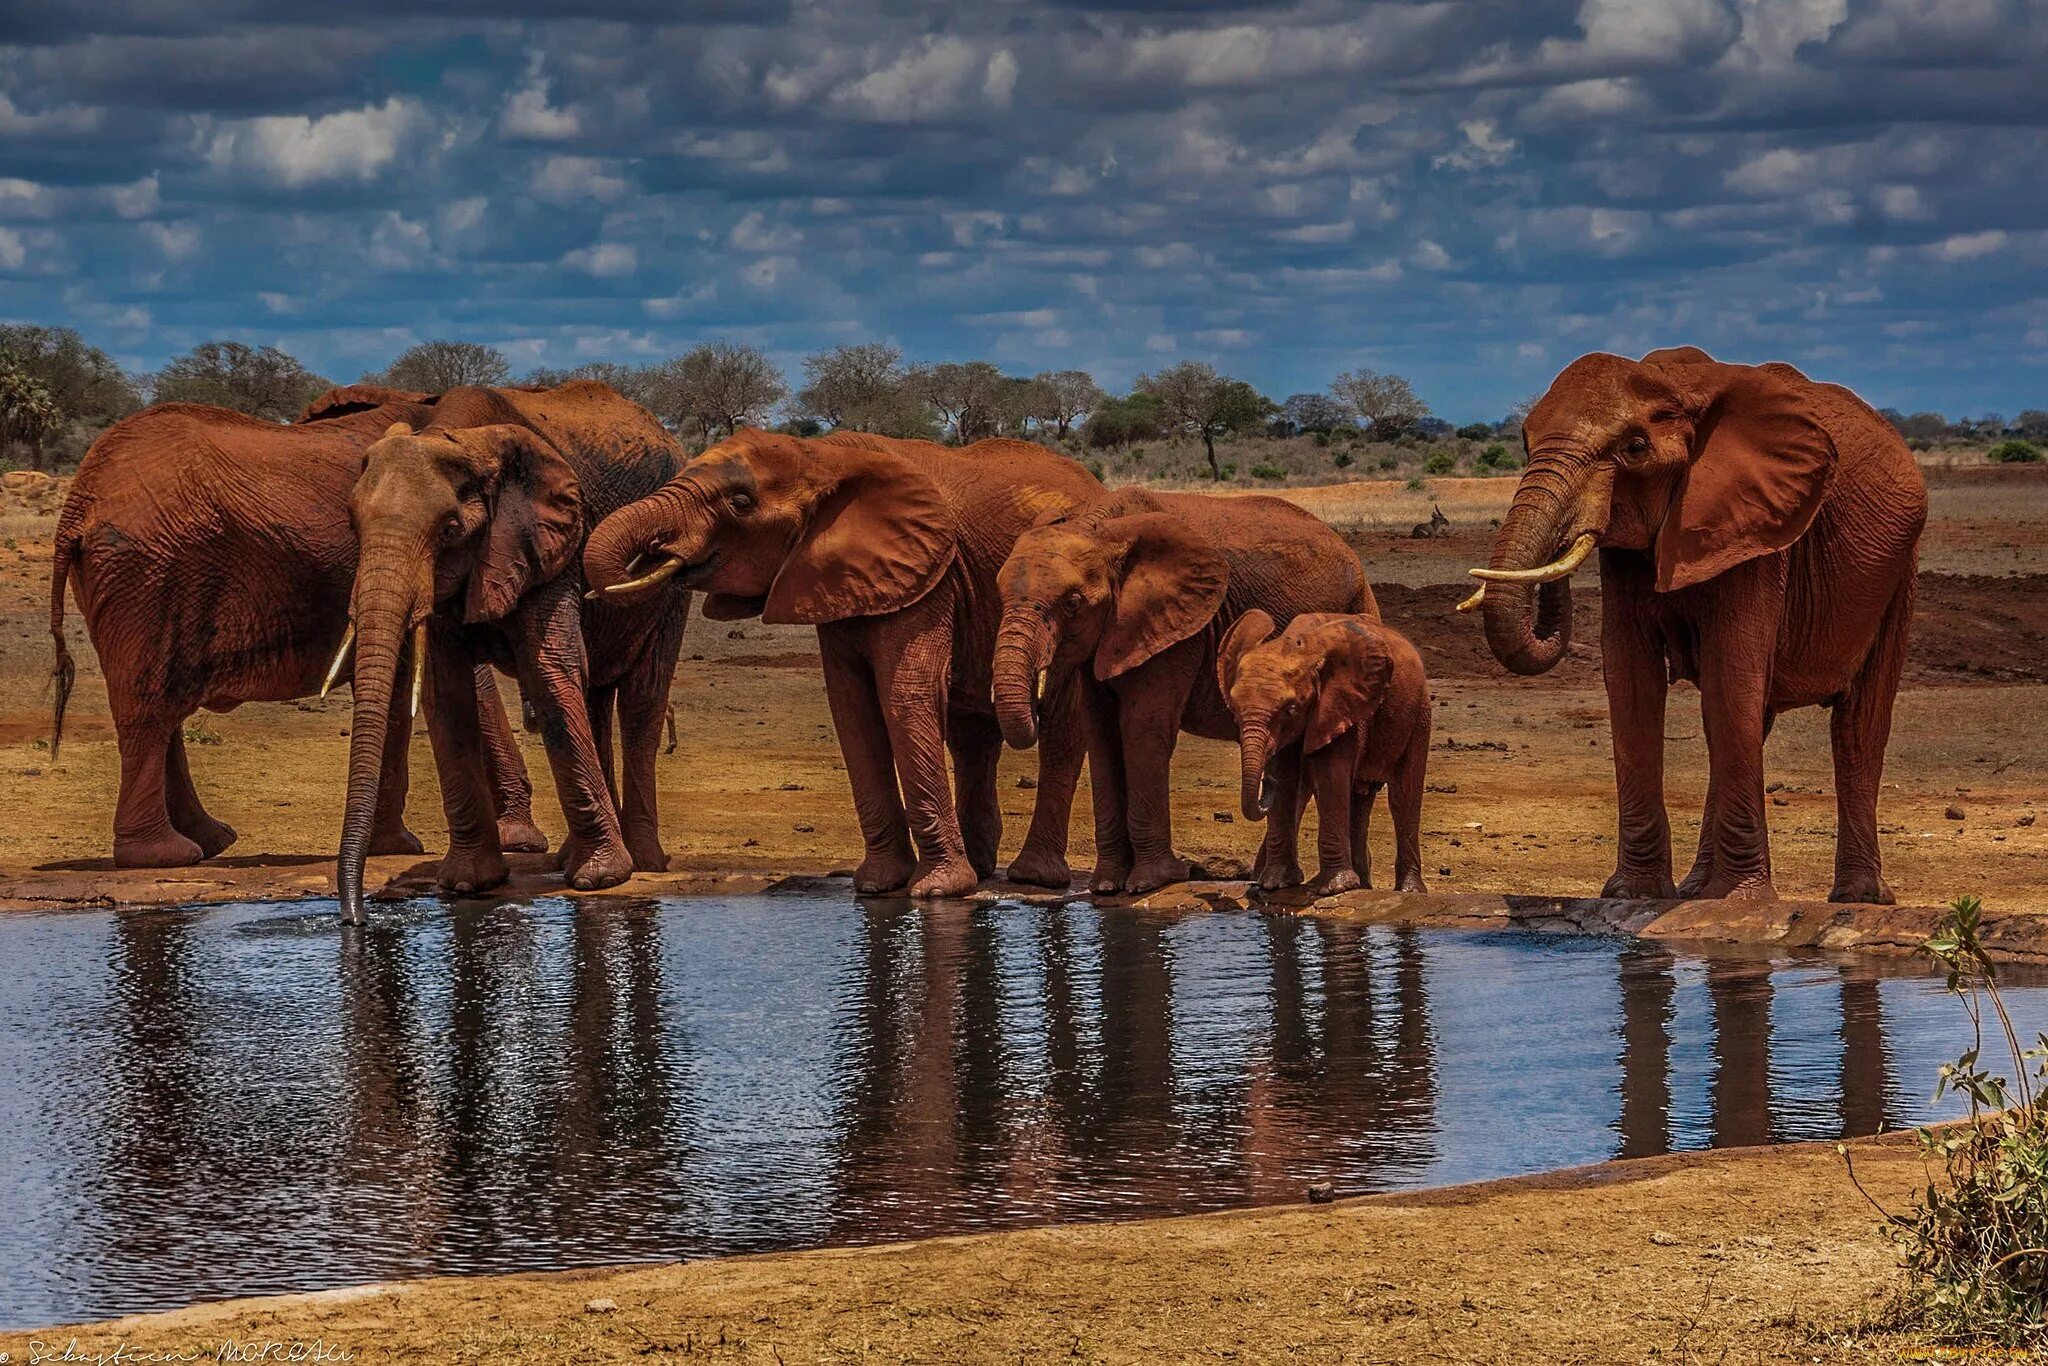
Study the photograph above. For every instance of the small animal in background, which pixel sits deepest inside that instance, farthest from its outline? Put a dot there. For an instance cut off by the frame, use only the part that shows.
(1437, 525)
(1335, 707)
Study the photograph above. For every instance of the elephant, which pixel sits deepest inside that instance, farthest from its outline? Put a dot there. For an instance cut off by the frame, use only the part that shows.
(471, 529)
(890, 548)
(1139, 589)
(1344, 702)
(1758, 534)
(212, 556)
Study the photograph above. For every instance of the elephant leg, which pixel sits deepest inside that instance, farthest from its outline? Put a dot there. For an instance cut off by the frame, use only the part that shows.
(1703, 861)
(1279, 861)
(1632, 662)
(643, 708)
(388, 832)
(1333, 772)
(1151, 699)
(912, 674)
(1363, 794)
(474, 862)
(1404, 802)
(870, 764)
(976, 744)
(181, 799)
(1062, 746)
(554, 675)
(1735, 654)
(601, 705)
(511, 789)
(144, 836)
(1861, 727)
(1102, 728)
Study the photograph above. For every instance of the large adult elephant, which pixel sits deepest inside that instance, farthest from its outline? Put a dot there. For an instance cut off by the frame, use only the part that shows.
(471, 528)
(1128, 600)
(891, 549)
(1757, 535)
(212, 557)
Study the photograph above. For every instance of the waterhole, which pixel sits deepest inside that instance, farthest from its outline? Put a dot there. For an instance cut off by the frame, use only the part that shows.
(237, 1100)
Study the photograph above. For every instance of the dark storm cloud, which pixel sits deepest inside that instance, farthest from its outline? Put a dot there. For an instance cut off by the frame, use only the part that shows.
(1471, 191)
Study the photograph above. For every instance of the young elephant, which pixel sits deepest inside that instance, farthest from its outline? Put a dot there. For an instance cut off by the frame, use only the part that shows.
(1140, 588)
(1344, 698)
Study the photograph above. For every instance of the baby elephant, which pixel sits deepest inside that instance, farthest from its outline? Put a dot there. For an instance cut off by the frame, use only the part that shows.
(1337, 707)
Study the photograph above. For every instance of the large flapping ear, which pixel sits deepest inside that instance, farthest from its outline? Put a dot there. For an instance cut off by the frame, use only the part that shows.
(1759, 472)
(1253, 628)
(879, 538)
(1170, 585)
(1351, 686)
(536, 516)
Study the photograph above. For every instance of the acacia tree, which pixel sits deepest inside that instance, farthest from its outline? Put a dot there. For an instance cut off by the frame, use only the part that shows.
(861, 387)
(1064, 397)
(1385, 402)
(1314, 412)
(262, 381)
(434, 367)
(28, 411)
(1200, 402)
(84, 382)
(968, 396)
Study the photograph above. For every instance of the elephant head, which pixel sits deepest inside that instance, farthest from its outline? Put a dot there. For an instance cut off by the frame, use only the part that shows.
(791, 530)
(1322, 676)
(465, 519)
(1700, 464)
(1111, 587)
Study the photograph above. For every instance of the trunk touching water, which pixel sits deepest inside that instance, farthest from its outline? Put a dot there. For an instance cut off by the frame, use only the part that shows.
(386, 590)
(667, 524)
(1253, 745)
(1529, 626)
(1024, 647)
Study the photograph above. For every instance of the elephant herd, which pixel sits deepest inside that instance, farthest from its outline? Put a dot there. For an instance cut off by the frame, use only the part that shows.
(1756, 532)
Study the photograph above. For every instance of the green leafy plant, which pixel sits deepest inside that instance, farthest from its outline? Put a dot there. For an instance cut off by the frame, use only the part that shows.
(1439, 462)
(1496, 456)
(2014, 452)
(1342, 460)
(1265, 471)
(1418, 485)
(1390, 461)
(1975, 1244)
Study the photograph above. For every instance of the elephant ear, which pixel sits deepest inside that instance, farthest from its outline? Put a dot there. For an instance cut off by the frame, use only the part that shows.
(1171, 586)
(1759, 472)
(1253, 628)
(878, 540)
(1352, 685)
(536, 517)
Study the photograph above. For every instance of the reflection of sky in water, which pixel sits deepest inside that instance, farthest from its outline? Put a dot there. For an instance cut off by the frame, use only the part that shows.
(232, 1101)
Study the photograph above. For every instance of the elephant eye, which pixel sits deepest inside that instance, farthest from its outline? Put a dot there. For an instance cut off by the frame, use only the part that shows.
(1637, 445)
(741, 502)
(1071, 603)
(451, 527)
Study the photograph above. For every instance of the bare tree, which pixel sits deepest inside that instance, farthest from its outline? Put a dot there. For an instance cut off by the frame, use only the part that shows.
(1385, 402)
(861, 387)
(1314, 412)
(968, 395)
(730, 384)
(435, 367)
(1194, 398)
(259, 380)
(1065, 397)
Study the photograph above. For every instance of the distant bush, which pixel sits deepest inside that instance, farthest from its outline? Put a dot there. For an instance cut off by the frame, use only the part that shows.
(1093, 466)
(1497, 457)
(1439, 462)
(1265, 471)
(2015, 453)
(1418, 486)
(1390, 461)
(1322, 439)
(1476, 431)
(1342, 460)
(1229, 472)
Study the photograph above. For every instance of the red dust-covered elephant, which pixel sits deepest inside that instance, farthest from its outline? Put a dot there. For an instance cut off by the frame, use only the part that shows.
(1757, 535)
(211, 555)
(891, 549)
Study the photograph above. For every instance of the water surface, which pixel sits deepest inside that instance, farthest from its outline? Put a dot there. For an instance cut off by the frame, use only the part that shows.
(235, 1100)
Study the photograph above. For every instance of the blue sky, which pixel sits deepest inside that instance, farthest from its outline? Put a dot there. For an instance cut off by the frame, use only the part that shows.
(1471, 192)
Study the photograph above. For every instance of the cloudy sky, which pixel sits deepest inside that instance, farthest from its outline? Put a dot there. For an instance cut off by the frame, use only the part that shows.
(1471, 192)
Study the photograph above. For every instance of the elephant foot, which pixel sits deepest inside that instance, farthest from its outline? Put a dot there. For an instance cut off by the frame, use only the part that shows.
(1108, 877)
(882, 873)
(589, 867)
(1274, 877)
(519, 835)
(168, 850)
(1862, 889)
(950, 876)
(1040, 869)
(213, 837)
(1739, 887)
(1628, 885)
(397, 840)
(1410, 881)
(1152, 874)
(647, 854)
(466, 872)
(1332, 881)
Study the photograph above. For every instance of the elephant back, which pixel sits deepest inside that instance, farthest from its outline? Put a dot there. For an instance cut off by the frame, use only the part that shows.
(619, 452)
(1283, 560)
(1001, 488)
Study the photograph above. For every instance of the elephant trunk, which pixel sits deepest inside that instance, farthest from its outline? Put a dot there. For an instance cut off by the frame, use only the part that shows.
(657, 536)
(387, 595)
(1024, 648)
(1254, 744)
(1529, 626)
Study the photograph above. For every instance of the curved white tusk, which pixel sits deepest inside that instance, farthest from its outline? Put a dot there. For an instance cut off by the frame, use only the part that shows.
(1040, 694)
(348, 640)
(419, 664)
(667, 569)
(1473, 602)
(1559, 568)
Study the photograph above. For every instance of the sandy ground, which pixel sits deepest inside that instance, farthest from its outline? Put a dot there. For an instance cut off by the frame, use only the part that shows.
(1749, 1255)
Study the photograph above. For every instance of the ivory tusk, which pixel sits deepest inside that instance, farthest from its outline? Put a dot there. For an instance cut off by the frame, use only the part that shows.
(419, 664)
(1559, 568)
(1039, 695)
(348, 640)
(1472, 603)
(666, 570)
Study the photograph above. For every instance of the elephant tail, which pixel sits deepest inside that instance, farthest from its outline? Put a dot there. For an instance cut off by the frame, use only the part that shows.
(64, 672)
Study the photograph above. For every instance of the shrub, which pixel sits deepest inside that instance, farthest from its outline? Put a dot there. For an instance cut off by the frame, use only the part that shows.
(1342, 460)
(1229, 472)
(1976, 1242)
(1439, 462)
(1497, 457)
(1265, 471)
(1418, 486)
(1093, 466)
(1322, 439)
(1390, 461)
(2015, 453)
(1476, 431)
